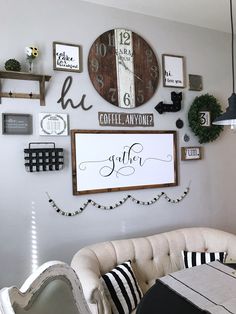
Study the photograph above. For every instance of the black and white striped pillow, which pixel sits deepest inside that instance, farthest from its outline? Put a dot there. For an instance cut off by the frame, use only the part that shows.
(198, 258)
(122, 289)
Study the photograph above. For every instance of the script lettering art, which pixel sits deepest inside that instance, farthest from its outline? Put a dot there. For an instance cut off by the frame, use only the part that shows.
(65, 102)
(125, 164)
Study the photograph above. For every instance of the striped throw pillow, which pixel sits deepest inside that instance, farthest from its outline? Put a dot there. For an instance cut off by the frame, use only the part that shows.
(122, 289)
(198, 258)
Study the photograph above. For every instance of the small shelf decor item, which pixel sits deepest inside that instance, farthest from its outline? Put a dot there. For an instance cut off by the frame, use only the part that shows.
(173, 68)
(203, 107)
(191, 153)
(31, 54)
(27, 77)
(12, 65)
(15, 123)
(53, 124)
(43, 158)
(66, 57)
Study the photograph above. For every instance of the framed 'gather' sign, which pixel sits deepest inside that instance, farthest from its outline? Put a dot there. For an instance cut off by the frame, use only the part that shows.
(66, 57)
(105, 161)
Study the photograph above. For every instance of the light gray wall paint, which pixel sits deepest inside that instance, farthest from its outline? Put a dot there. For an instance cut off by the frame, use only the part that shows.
(211, 198)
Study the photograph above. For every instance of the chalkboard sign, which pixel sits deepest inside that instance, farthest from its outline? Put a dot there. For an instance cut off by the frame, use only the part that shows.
(15, 123)
(104, 161)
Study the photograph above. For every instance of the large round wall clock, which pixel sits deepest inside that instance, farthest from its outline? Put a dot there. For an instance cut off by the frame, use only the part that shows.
(123, 68)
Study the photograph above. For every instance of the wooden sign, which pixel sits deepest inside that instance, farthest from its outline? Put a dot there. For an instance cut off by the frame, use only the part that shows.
(191, 153)
(15, 123)
(122, 160)
(125, 119)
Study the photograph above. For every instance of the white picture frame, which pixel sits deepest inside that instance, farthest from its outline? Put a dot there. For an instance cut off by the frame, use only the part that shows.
(105, 161)
(53, 124)
(66, 57)
(173, 69)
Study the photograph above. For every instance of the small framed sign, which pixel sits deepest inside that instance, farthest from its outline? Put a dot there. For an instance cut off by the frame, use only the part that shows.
(66, 57)
(195, 82)
(173, 71)
(191, 153)
(16, 124)
(53, 124)
(205, 118)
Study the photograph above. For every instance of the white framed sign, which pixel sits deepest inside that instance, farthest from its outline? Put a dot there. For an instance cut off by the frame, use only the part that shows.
(66, 57)
(105, 161)
(173, 71)
(53, 124)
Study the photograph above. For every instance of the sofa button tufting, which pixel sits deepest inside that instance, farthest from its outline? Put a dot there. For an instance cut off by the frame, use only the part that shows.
(168, 253)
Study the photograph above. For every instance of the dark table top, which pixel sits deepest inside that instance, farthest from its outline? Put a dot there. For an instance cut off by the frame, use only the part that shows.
(160, 299)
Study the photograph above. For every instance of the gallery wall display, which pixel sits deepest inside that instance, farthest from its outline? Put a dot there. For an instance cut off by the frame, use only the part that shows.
(53, 124)
(191, 153)
(123, 68)
(16, 124)
(173, 68)
(67, 57)
(122, 160)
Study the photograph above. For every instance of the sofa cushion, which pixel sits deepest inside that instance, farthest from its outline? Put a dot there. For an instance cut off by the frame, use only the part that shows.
(198, 258)
(122, 289)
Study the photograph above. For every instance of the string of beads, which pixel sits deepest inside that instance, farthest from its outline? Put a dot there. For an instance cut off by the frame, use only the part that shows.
(119, 203)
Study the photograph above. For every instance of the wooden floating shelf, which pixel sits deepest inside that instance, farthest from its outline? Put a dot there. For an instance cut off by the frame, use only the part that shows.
(27, 77)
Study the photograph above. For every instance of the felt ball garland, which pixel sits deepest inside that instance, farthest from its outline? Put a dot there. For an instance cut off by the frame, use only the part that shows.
(119, 203)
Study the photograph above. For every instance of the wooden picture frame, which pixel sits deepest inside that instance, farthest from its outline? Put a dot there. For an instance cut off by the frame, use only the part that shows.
(16, 124)
(67, 57)
(173, 68)
(105, 161)
(191, 153)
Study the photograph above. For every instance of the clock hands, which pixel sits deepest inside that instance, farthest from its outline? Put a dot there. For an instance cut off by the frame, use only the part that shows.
(122, 62)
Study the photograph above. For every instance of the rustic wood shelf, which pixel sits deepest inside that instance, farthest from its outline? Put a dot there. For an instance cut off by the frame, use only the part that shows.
(27, 77)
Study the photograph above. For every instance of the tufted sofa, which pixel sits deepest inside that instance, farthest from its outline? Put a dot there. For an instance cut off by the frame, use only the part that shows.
(152, 257)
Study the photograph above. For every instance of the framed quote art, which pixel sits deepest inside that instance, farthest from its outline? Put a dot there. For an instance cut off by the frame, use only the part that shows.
(173, 71)
(53, 124)
(105, 161)
(66, 57)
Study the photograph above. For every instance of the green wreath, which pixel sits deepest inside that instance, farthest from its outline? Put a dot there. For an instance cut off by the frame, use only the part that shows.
(205, 103)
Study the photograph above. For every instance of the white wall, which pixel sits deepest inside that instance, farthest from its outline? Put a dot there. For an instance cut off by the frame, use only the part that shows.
(211, 198)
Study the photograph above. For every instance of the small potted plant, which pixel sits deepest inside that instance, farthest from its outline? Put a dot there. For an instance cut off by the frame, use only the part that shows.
(12, 65)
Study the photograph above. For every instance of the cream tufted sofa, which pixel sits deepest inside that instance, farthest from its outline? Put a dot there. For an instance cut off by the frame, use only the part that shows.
(152, 257)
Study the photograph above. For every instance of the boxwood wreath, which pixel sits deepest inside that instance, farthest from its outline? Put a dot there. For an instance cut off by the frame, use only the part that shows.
(205, 103)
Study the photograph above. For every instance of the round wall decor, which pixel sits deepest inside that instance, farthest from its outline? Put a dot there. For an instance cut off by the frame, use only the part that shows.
(202, 112)
(123, 68)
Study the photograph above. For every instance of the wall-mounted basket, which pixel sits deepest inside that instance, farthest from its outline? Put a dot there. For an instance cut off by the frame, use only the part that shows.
(43, 159)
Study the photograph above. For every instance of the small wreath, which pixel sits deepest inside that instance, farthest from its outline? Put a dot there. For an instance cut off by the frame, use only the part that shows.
(205, 103)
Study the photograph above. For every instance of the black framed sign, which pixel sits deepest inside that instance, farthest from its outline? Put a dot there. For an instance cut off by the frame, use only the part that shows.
(16, 123)
(105, 161)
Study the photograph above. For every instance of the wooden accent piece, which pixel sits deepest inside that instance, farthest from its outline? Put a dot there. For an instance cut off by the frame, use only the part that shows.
(27, 77)
(191, 153)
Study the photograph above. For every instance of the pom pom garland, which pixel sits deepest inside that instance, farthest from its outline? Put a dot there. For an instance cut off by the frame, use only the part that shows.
(119, 203)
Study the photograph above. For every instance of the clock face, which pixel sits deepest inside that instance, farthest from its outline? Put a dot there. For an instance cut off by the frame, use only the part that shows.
(123, 68)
